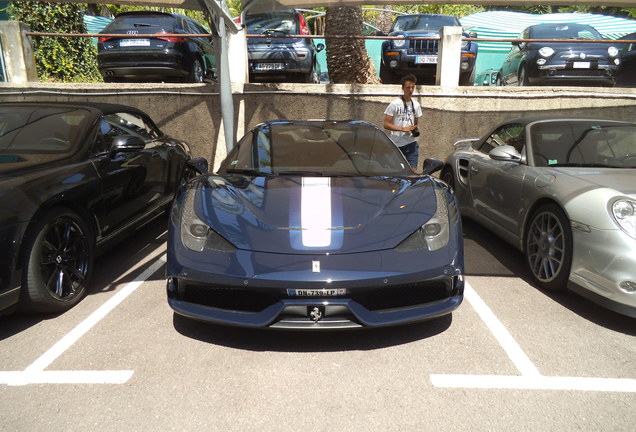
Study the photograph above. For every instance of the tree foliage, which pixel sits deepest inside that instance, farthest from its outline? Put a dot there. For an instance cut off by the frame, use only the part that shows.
(67, 59)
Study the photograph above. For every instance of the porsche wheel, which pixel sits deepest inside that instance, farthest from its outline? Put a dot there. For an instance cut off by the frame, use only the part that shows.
(58, 261)
(548, 247)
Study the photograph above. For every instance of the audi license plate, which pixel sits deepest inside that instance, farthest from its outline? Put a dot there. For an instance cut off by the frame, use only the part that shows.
(269, 66)
(581, 65)
(134, 42)
(316, 292)
(426, 59)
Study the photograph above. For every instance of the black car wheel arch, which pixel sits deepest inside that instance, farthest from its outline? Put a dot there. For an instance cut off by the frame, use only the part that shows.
(57, 262)
(548, 247)
(523, 75)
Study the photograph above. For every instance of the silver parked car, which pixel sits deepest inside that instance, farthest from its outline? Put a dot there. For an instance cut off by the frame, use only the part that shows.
(562, 190)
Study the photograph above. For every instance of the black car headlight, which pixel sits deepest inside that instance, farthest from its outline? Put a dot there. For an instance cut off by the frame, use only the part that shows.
(612, 51)
(399, 43)
(196, 235)
(434, 234)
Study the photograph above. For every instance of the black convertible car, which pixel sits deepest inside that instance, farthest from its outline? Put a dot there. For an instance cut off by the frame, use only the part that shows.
(314, 225)
(73, 177)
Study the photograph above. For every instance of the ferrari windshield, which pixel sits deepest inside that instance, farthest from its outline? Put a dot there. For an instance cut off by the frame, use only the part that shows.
(584, 143)
(423, 22)
(315, 149)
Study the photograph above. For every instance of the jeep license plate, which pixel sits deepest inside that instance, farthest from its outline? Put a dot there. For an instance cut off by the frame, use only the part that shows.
(426, 59)
(317, 292)
(269, 66)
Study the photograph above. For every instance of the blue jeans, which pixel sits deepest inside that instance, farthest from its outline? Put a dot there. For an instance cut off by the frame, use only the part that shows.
(411, 152)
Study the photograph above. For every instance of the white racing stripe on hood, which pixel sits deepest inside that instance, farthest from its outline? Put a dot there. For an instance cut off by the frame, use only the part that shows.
(315, 211)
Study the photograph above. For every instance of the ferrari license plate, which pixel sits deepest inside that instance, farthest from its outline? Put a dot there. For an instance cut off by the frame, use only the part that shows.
(134, 42)
(269, 66)
(316, 292)
(581, 65)
(426, 59)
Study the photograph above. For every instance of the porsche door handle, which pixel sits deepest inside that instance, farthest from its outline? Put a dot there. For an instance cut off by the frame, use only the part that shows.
(474, 169)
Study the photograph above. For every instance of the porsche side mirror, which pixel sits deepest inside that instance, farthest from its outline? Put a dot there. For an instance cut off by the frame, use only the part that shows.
(505, 153)
(432, 165)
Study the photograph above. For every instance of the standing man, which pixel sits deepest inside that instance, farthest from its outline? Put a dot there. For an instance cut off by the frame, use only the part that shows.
(400, 118)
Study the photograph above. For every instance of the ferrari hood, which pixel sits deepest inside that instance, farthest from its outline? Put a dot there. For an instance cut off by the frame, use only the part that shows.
(315, 214)
(618, 179)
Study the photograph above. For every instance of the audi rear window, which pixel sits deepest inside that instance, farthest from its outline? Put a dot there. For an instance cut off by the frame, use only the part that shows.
(161, 22)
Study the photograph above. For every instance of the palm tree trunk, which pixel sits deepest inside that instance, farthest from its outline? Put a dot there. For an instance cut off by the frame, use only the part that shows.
(347, 59)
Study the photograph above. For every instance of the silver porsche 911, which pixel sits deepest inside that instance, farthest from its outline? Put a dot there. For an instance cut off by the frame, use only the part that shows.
(562, 190)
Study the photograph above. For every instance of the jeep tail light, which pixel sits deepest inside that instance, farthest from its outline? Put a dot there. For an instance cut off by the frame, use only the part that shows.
(304, 29)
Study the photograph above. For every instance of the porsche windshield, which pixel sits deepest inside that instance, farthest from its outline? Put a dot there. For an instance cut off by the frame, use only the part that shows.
(39, 130)
(584, 143)
(317, 148)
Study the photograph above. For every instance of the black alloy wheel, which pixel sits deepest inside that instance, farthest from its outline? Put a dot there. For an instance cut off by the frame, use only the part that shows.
(58, 262)
(548, 247)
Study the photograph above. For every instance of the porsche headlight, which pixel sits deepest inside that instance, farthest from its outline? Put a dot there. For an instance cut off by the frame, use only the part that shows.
(195, 234)
(546, 52)
(434, 234)
(624, 213)
(612, 51)
(399, 43)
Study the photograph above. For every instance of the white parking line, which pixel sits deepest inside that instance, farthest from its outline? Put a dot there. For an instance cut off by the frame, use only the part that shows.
(530, 378)
(35, 373)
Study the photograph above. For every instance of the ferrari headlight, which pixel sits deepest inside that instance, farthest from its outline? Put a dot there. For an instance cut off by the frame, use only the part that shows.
(624, 213)
(195, 234)
(399, 43)
(612, 51)
(546, 52)
(434, 234)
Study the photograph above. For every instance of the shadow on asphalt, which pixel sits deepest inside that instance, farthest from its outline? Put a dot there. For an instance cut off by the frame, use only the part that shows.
(308, 340)
(110, 269)
(488, 255)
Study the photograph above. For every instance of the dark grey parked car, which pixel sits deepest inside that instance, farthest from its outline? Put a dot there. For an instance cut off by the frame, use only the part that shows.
(571, 60)
(626, 74)
(272, 57)
(174, 58)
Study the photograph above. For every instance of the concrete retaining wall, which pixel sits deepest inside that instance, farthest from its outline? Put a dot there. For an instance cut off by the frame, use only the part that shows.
(192, 111)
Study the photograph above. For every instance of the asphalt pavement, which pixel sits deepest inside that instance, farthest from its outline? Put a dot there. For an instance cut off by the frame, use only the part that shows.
(512, 357)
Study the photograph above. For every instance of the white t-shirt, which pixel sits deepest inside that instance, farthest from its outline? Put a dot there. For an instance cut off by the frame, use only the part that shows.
(404, 114)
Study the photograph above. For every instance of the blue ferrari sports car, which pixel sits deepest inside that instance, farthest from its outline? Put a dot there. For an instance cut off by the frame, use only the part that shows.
(313, 225)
